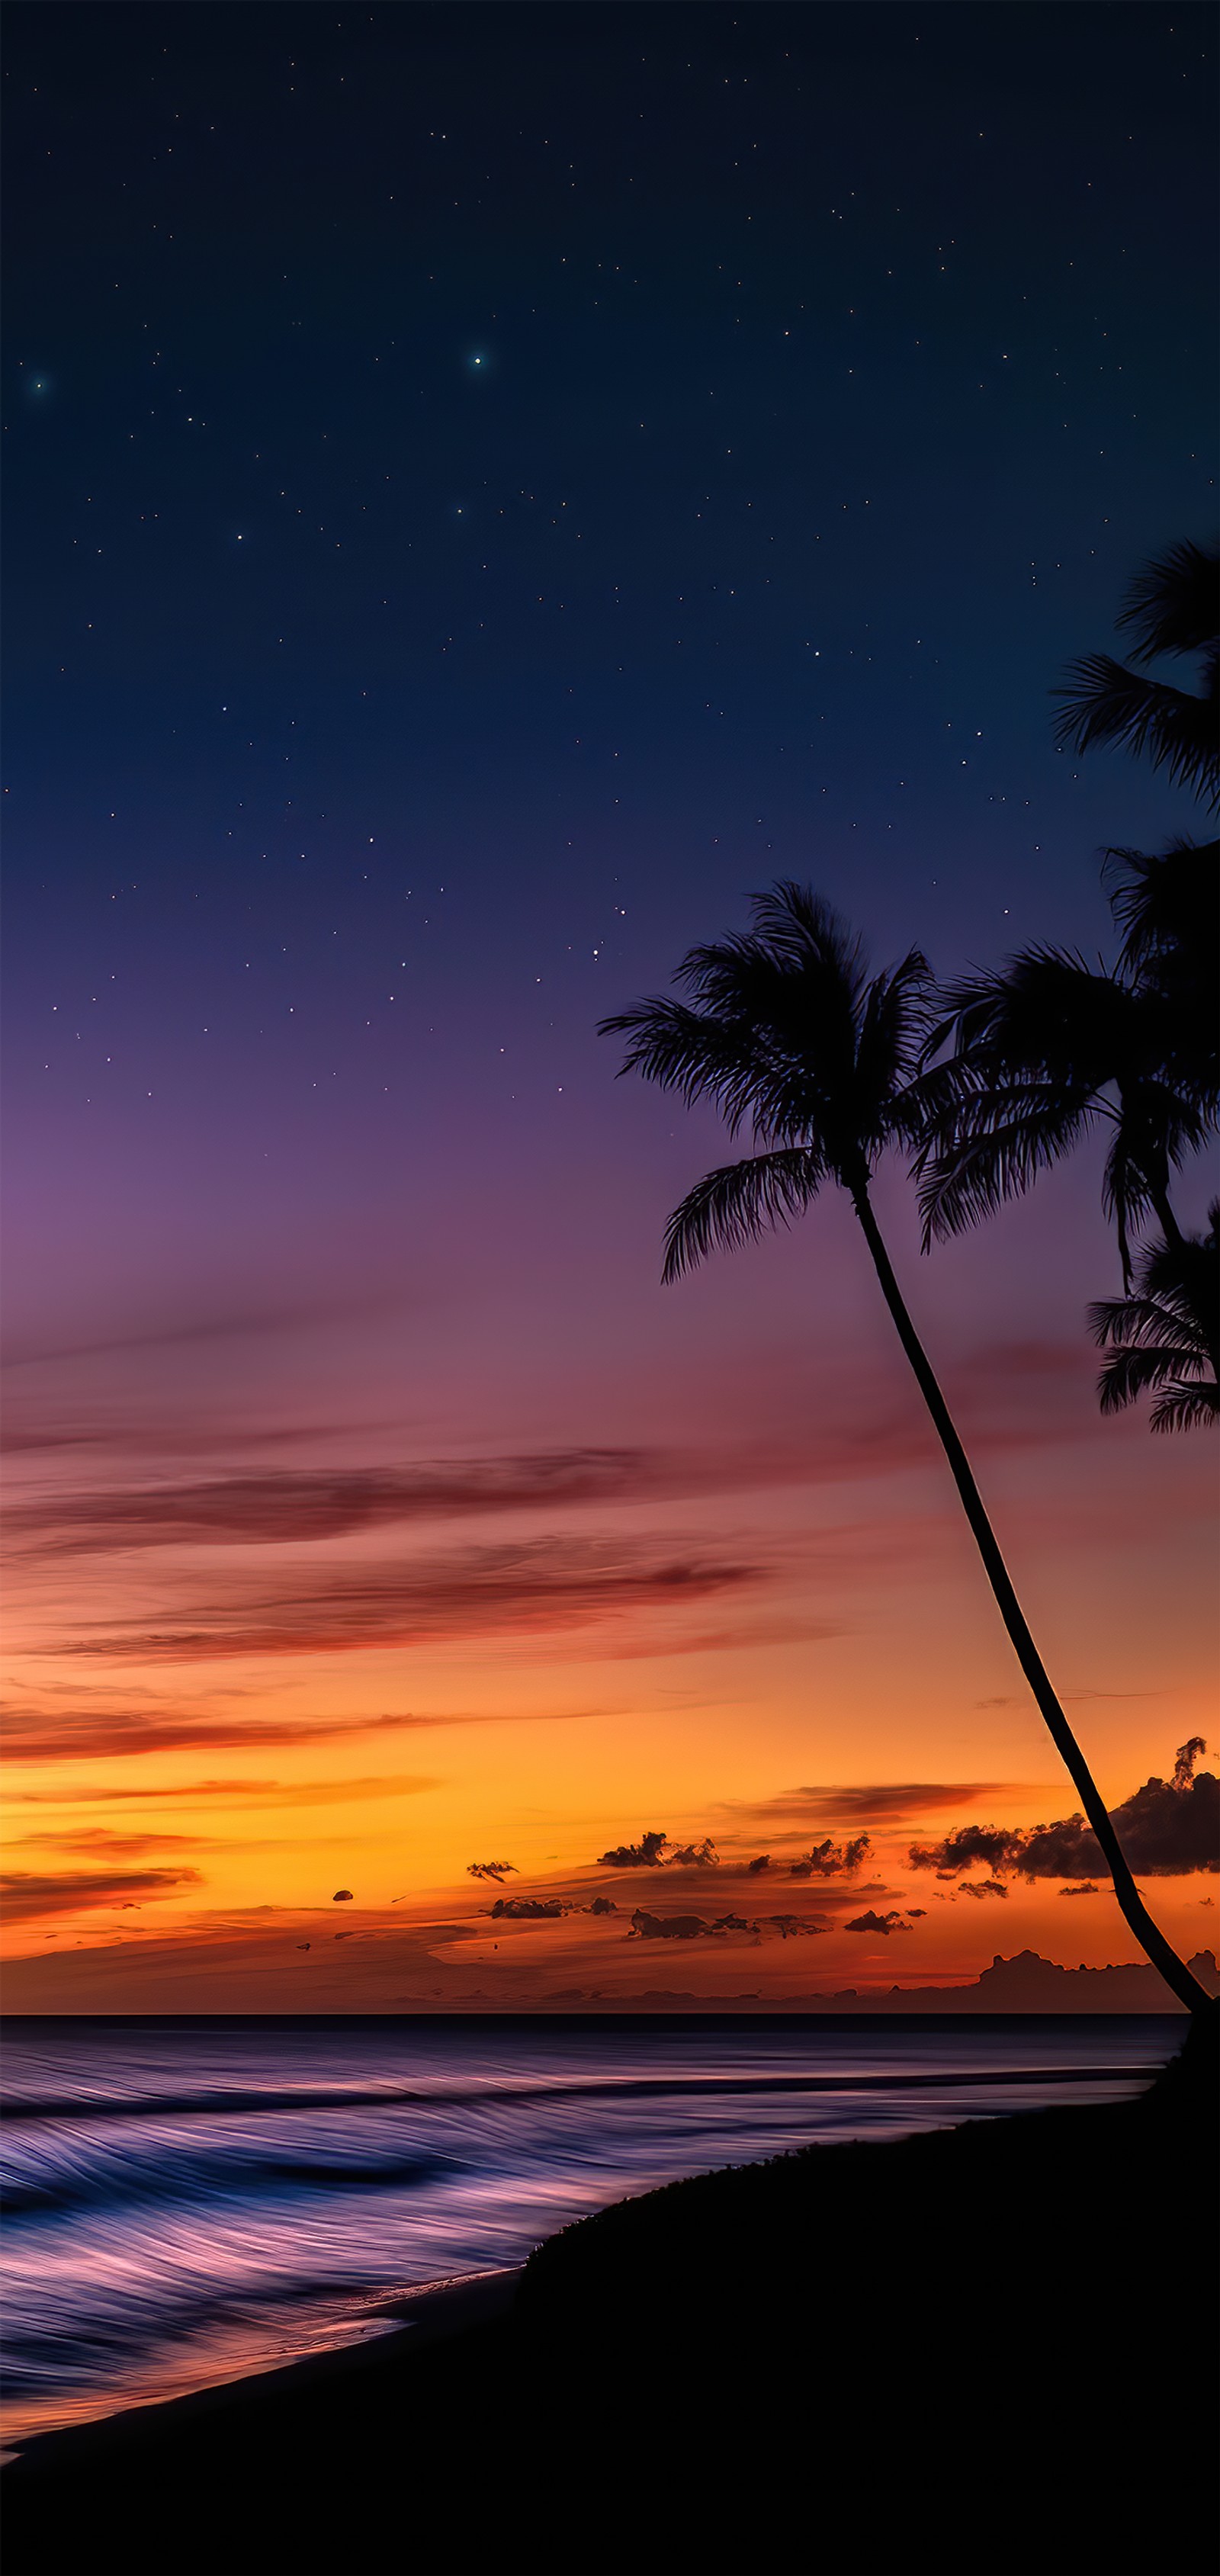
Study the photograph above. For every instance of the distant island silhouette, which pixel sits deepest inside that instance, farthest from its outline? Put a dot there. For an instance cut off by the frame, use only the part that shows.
(1026, 1983)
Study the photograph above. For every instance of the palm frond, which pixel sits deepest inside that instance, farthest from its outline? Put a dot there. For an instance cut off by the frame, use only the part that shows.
(794, 922)
(1165, 1339)
(1132, 1372)
(1149, 1323)
(1040, 1047)
(780, 1027)
(1173, 604)
(703, 1058)
(1045, 1011)
(1185, 1408)
(1107, 702)
(1168, 908)
(889, 1047)
(739, 1203)
(998, 1142)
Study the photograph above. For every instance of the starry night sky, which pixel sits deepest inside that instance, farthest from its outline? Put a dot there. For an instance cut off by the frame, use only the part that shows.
(488, 488)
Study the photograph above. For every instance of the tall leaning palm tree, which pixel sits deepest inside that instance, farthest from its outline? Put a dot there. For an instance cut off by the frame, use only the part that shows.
(785, 1031)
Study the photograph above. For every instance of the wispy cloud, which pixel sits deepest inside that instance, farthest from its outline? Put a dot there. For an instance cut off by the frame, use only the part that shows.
(278, 1506)
(289, 1505)
(57, 1732)
(536, 1586)
(242, 1793)
(26, 1895)
(225, 1324)
(870, 1803)
(100, 1842)
(1011, 1397)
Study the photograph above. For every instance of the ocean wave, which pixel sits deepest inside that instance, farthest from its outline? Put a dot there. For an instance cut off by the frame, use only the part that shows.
(184, 2206)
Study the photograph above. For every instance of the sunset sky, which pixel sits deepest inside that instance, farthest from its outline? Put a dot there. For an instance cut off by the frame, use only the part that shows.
(488, 491)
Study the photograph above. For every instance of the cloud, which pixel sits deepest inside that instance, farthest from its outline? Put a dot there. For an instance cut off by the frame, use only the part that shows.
(646, 1854)
(526, 1909)
(625, 1645)
(25, 1896)
(1166, 1829)
(683, 1927)
(536, 1585)
(827, 1859)
(246, 1794)
(497, 1869)
(98, 1842)
(54, 1733)
(236, 1325)
(877, 1802)
(282, 1506)
(995, 1845)
(1087, 1888)
(655, 1851)
(872, 1922)
(982, 1887)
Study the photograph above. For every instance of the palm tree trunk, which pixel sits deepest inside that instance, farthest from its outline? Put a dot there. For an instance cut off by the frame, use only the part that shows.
(1163, 1956)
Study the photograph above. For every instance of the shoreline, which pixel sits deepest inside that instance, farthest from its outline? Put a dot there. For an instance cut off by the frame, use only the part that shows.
(432, 2313)
(851, 2359)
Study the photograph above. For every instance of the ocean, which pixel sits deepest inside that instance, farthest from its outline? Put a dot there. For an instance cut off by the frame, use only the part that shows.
(189, 2202)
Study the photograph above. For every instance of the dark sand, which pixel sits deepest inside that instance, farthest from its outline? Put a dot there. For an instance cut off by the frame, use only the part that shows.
(994, 2346)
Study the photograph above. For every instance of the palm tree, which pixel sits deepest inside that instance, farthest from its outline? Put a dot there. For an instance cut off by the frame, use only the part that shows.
(1171, 608)
(1167, 1336)
(788, 1035)
(1046, 1048)
(1168, 909)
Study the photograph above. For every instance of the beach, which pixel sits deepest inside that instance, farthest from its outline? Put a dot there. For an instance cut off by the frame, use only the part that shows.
(191, 2203)
(993, 2341)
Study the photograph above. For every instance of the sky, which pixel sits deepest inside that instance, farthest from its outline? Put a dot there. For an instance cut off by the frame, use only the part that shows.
(489, 489)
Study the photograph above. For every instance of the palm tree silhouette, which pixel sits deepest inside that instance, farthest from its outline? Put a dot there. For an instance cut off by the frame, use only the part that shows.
(1168, 909)
(1167, 1336)
(788, 1035)
(1170, 608)
(1045, 1048)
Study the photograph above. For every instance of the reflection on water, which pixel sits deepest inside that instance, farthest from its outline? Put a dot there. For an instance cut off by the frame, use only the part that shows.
(185, 2203)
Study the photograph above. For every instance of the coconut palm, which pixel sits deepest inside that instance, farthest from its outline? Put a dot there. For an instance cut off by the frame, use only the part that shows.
(1045, 1048)
(1171, 608)
(789, 1036)
(1165, 1339)
(1168, 909)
